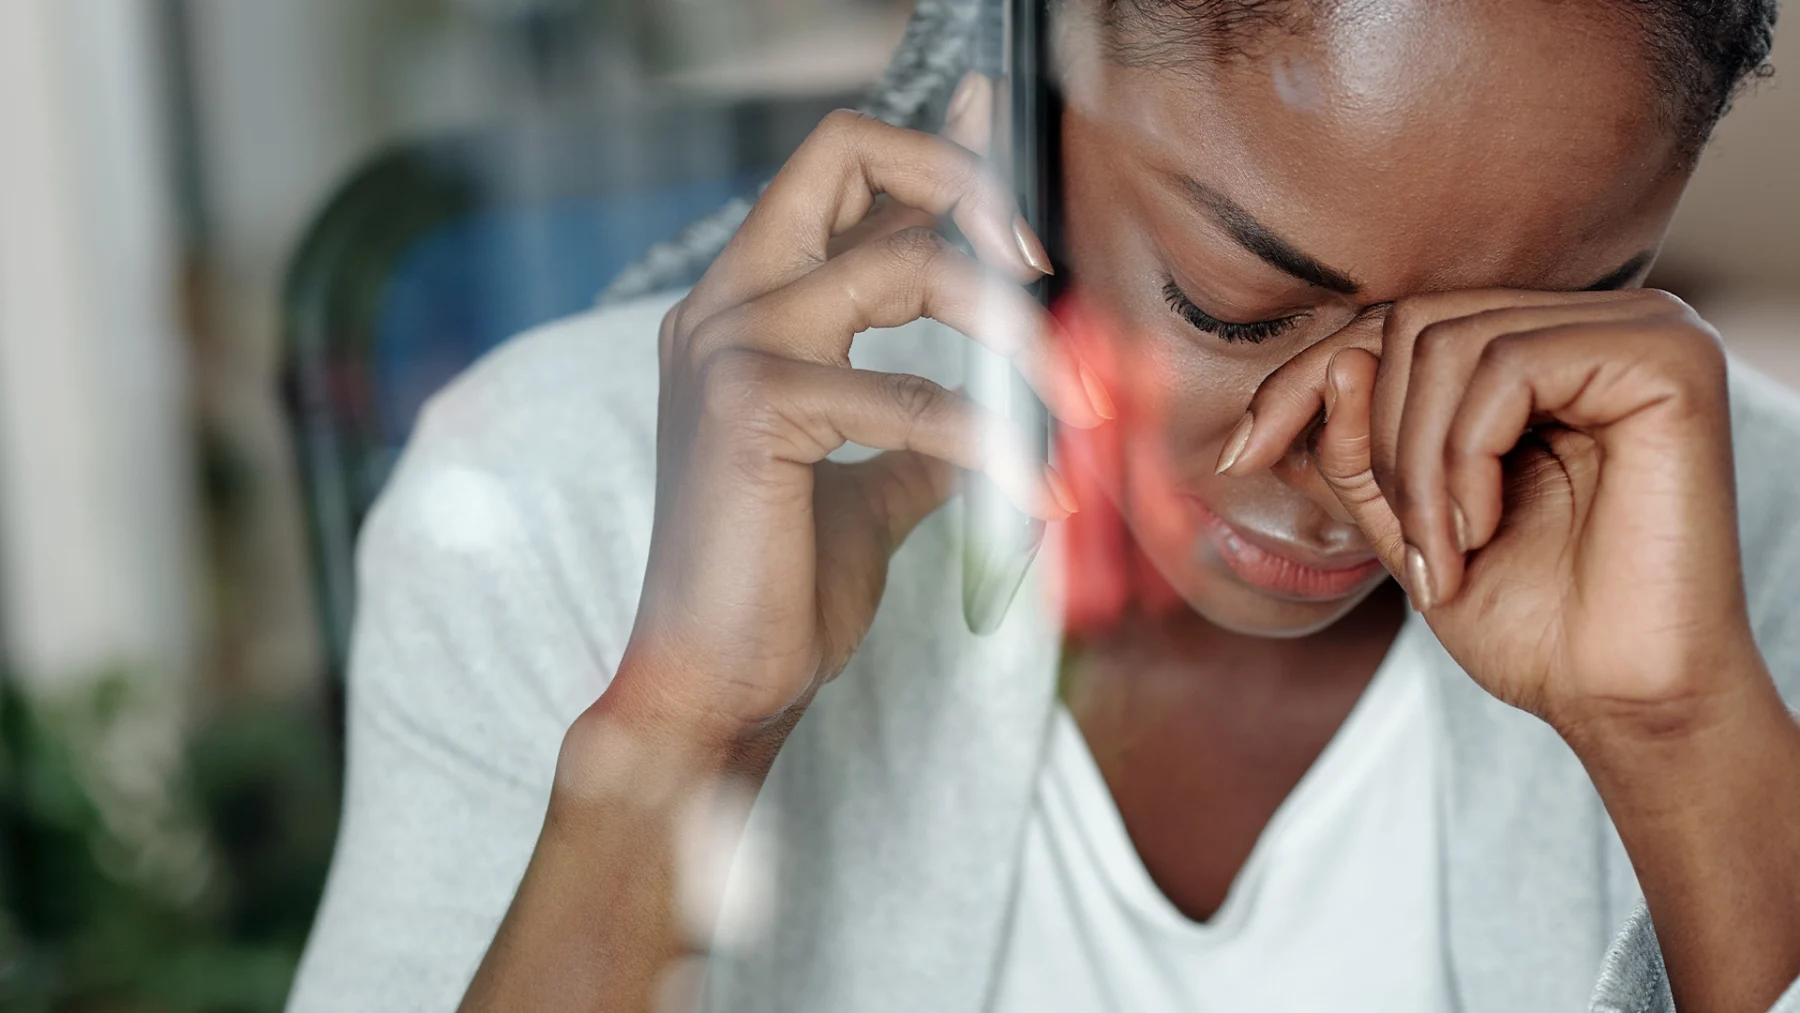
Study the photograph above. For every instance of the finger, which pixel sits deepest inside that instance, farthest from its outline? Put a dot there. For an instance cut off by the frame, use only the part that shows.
(969, 119)
(1444, 357)
(968, 122)
(904, 487)
(761, 406)
(1411, 318)
(1287, 404)
(890, 216)
(1651, 393)
(1341, 454)
(833, 181)
(912, 274)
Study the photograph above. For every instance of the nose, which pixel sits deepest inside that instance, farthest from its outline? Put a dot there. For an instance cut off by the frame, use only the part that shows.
(1297, 470)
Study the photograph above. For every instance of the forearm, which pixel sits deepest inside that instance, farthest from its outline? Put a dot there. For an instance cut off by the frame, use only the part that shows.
(602, 915)
(1706, 798)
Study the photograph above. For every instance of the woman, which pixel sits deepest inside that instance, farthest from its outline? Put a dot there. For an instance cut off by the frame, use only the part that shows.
(1264, 784)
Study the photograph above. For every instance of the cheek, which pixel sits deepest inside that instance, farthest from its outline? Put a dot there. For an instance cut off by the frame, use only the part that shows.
(1178, 389)
(1178, 400)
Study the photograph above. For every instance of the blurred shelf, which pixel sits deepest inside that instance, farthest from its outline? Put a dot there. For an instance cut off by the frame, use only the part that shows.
(842, 54)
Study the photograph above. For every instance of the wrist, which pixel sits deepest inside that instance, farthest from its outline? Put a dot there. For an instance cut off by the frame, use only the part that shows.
(1673, 714)
(648, 743)
(1691, 759)
(1705, 796)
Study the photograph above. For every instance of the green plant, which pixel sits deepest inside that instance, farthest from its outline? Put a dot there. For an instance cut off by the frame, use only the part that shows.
(201, 908)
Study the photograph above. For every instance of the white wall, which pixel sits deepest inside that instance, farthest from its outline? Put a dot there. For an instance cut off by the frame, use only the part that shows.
(95, 520)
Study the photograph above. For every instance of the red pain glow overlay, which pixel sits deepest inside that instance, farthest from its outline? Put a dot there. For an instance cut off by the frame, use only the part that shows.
(1108, 574)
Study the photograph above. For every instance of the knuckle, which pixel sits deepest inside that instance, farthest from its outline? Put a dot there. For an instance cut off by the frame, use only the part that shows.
(680, 320)
(840, 126)
(1435, 340)
(709, 338)
(1461, 447)
(916, 255)
(1509, 355)
(1693, 359)
(735, 384)
(1406, 318)
(1695, 337)
(1661, 301)
(840, 136)
(916, 397)
(917, 248)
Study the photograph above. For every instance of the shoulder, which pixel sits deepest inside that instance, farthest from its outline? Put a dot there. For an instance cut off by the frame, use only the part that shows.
(1765, 422)
(524, 502)
(575, 401)
(520, 514)
(578, 392)
(545, 446)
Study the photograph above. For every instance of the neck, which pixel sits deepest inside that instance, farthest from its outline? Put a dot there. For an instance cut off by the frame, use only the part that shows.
(1184, 647)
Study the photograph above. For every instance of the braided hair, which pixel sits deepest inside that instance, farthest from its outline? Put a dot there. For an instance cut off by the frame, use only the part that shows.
(1702, 53)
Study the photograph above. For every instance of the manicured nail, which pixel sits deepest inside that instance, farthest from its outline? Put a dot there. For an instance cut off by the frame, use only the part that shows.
(1461, 524)
(960, 99)
(1101, 401)
(1418, 580)
(1030, 248)
(1059, 487)
(1235, 443)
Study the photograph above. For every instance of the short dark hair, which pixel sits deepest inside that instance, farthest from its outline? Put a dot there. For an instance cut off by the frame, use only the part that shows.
(1701, 51)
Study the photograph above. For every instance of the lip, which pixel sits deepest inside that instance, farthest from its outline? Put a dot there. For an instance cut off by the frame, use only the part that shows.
(1281, 570)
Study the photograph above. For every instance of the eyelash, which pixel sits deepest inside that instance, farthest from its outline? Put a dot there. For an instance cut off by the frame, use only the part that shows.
(1251, 333)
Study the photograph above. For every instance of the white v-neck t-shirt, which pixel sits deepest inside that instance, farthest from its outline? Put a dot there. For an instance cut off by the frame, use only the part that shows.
(1339, 906)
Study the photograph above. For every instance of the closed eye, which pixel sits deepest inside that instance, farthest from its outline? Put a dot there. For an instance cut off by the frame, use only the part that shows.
(1251, 333)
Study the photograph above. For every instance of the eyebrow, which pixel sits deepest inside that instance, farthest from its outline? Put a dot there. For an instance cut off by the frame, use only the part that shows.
(1623, 276)
(1261, 240)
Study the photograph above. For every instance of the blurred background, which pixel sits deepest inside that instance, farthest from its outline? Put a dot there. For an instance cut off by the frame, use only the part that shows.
(239, 244)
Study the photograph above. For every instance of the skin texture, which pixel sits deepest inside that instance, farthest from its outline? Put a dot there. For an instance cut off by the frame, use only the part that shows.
(1471, 168)
(1369, 149)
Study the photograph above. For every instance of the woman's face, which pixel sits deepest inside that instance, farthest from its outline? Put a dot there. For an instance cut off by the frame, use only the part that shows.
(1225, 217)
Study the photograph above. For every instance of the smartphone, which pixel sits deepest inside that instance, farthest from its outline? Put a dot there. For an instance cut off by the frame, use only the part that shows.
(1000, 541)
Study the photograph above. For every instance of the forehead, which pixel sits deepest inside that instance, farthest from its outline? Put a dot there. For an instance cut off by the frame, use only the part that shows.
(1418, 145)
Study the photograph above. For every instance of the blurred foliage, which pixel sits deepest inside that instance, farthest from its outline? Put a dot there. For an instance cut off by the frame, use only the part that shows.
(95, 914)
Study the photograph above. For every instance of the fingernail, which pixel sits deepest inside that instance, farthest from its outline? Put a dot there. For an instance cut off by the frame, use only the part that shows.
(1030, 248)
(1461, 524)
(1418, 580)
(960, 99)
(1059, 487)
(1097, 395)
(1235, 443)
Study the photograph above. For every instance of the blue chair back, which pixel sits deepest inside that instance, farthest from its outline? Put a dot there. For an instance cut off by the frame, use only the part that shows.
(437, 251)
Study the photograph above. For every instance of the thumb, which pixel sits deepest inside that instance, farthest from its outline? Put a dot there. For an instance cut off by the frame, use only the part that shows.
(903, 487)
(1342, 454)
